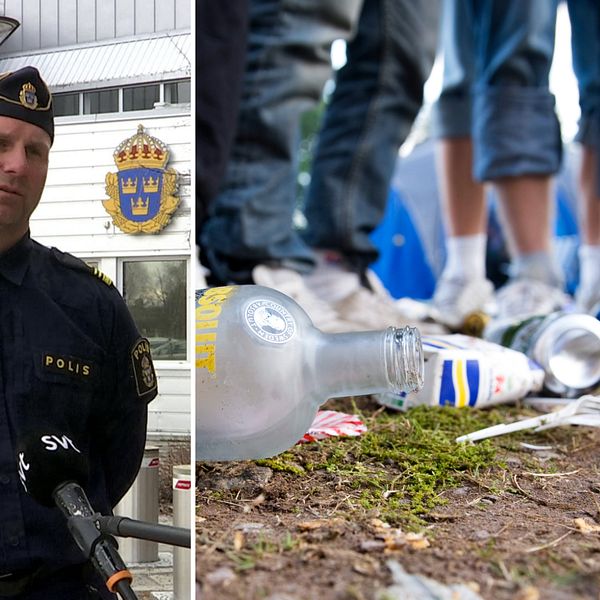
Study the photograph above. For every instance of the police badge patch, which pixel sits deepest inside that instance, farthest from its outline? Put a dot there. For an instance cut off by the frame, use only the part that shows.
(28, 97)
(143, 369)
(142, 193)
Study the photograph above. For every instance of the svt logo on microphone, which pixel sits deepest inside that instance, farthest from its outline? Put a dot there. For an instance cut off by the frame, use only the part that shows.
(54, 442)
(23, 467)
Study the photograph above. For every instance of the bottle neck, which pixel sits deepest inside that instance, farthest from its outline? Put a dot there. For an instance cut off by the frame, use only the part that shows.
(368, 362)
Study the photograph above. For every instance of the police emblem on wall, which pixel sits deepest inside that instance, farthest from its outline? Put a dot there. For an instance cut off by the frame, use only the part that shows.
(142, 193)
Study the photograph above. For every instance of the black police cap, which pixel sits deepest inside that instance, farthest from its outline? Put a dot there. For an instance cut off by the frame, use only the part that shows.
(24, 95)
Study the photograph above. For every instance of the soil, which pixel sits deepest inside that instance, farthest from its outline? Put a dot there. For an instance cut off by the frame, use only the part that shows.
(333, 519)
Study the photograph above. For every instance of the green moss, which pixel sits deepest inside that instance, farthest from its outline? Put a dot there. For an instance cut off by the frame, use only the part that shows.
(404, 462)
(283, 462)
(400, 468)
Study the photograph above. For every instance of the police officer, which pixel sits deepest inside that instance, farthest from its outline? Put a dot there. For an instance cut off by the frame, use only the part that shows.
(71, 359)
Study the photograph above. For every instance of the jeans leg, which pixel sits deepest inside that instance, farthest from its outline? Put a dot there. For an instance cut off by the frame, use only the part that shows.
(515, 128)
(452, 113)
(221, 29)
(287, 65)
(585, 41)
(377, 97)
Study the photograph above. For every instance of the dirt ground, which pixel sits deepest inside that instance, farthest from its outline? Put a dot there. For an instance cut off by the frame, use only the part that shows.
(332, 519)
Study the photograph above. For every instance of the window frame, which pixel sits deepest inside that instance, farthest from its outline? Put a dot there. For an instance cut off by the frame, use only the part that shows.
(114, 268)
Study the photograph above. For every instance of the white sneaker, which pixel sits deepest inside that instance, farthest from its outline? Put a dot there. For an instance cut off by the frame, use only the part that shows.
(292, 284)
(521, 298)
(587, 300)
(455, 299)
(376, 309)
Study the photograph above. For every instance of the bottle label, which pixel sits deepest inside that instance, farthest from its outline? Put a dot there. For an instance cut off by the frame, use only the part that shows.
(270, 321)
(209, 303)
(521, 335)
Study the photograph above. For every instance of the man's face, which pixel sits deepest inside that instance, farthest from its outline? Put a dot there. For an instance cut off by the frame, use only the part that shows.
(24, 150)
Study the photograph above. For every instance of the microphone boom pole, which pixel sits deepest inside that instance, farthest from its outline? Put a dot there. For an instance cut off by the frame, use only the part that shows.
(125, 527)
(99, 548)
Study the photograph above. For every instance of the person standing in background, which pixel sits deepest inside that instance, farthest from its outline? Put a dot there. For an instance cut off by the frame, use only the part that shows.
(221, 39)
(497, 124)
(585, 39)
(249, 235)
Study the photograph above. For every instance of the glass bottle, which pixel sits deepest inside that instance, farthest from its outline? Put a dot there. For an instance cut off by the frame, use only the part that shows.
(263, 369)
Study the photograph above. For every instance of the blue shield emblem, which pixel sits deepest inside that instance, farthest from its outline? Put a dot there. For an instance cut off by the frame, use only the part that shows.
(143, 194)
(140, 191)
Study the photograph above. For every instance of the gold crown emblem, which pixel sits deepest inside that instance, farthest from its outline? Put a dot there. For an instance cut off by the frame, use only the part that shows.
(151, 184)
(129, 186)
(27, 96)
(139, 208)
(141, 150)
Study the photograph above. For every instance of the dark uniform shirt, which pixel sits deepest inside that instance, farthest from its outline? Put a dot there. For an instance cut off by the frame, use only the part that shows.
(71, 358)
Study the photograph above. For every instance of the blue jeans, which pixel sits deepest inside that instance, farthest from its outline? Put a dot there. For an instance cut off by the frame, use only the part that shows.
(288, 64)
(378, 94)
(497, 57)
(585, 41)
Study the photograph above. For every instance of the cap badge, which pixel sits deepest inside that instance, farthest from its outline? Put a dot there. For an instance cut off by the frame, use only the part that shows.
(27, 96)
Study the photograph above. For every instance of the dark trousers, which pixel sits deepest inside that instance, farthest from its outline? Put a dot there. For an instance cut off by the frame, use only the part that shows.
(221, 36)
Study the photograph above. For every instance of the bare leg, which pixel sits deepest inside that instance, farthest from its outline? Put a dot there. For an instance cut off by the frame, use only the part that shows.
(536, 278)
(589, 217)
(462, 288)
(526, 210)
(463, 198)
(588, 291)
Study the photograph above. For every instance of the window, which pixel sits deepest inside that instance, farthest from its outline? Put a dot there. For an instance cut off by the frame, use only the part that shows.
(140, 97)
(102, 101)
(155, 292)
(178, 92)
(133, 97)
(65, 104)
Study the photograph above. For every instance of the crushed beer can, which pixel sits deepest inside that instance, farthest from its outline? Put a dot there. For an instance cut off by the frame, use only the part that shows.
(565, 345)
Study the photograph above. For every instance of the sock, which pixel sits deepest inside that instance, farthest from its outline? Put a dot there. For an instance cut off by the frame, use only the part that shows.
(589, 266)
(540, 266)
(465, 257)
(331, 280)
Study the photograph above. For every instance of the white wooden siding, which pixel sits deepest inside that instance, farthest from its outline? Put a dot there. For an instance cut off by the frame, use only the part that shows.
(51, 23)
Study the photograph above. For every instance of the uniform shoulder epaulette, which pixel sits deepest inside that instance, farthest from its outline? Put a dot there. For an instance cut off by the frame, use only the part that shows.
(72, 262)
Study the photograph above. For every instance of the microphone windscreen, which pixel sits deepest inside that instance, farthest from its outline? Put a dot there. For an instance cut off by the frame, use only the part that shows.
(46, 459)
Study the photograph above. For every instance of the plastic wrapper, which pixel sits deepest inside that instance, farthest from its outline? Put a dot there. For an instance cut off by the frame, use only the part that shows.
(331, 423)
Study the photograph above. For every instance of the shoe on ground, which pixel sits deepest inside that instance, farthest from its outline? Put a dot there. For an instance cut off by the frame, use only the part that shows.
(522, 298)
(372, 309)
(292, 284)
(455, 299)
(587, 300)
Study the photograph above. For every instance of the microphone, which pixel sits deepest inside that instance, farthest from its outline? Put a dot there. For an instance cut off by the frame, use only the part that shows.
(46, 460)
(52, 470)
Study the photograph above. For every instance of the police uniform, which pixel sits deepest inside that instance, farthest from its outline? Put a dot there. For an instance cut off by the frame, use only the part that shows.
(71, 358)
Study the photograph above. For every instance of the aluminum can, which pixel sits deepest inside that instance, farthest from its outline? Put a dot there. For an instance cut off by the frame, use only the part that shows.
(565, 345)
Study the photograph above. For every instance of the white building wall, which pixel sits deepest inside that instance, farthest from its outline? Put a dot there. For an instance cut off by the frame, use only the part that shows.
(72, 218)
